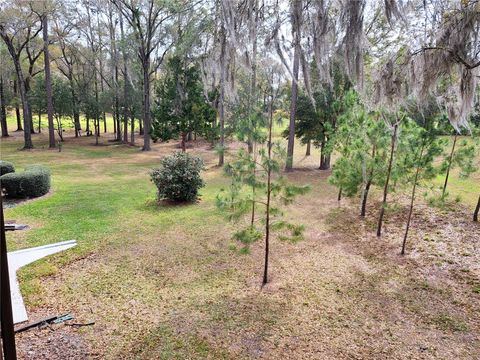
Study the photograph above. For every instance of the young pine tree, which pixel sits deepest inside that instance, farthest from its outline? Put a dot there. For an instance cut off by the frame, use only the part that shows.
(271, 192)
(418, 147)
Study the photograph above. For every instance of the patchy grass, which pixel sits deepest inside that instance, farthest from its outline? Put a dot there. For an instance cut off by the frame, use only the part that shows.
(466, 190)
(161, 282)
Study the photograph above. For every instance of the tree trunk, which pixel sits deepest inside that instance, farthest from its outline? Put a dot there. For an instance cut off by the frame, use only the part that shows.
(309, 144)
(32, 128)
(132, 131)
(147, 121)
(88, 127)
(269, 192)
(364, 198)
(253, 10)
(59, 129)
(27, 132)
(449, 165)
(339, 197)
(114, 125)
(140, 124)
(96, 120)
(76, 120)
(125, 82)
(221, 102)
(324, 158)
(19, 118)
(367, 186)
(3, 111)
(29, 113)
(17, 109)
(293, 109)
(477, 210)
(385, 189)
(117, 105)
(48, 85)
(184, 139)
(125, 129)
(411, 204)
(39, 122)
(297, 9)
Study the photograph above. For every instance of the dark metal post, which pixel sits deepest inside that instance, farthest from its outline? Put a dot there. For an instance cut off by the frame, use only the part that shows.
(6, 317)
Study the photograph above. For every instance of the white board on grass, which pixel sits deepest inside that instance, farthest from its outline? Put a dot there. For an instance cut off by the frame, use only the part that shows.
(19, 258)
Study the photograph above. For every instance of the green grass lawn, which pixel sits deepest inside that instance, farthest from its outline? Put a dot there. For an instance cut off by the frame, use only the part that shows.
(162, 283)
(67, 123)
(466, 189)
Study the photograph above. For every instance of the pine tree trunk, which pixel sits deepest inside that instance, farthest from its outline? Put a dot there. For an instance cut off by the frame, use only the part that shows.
(367, 186)
(449, 165)
(48, 86)
(339, 197)
(269, 192)
(477, 210)
(39, 122)
(385, 189)
(365, 197)
(253, 9)
(3, 111)
(411, 203)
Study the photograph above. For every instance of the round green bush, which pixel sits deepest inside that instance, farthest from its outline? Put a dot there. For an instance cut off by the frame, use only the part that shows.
(178, 177)
(33, 182)
(6, 167)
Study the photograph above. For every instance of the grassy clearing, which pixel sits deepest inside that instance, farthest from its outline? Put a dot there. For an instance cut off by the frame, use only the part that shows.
(162, 283)
(67, 123)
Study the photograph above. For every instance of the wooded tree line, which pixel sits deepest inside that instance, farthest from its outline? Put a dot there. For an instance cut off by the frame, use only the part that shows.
(363, 78)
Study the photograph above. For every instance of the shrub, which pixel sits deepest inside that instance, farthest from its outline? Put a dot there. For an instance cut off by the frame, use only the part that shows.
(33, 182)
(6, 167)
(178, 177)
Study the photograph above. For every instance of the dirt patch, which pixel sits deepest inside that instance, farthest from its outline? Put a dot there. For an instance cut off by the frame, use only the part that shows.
(55, 342)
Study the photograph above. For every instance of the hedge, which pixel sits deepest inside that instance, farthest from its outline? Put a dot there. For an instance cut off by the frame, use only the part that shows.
(6, 167)
(33, 182)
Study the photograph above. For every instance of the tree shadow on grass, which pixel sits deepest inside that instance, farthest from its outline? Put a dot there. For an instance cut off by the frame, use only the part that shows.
(156, 205)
